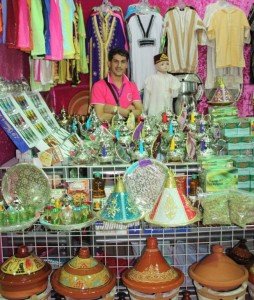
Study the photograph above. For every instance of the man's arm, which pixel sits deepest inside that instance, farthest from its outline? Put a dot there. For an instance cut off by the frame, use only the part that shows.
(138, 107)
(102, 113)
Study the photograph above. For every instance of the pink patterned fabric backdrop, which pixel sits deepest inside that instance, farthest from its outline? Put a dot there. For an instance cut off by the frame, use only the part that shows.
(245, 103)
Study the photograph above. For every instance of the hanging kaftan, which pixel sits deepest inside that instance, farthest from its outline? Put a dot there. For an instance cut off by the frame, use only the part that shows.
(104, 32)
(232, 76)
(144, 32)
(183, 30)
(230, 29)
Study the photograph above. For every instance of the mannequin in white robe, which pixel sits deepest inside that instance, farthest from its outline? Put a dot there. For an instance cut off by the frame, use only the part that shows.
(160, 88)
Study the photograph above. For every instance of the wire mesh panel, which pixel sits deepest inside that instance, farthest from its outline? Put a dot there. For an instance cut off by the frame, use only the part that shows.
(119, 246)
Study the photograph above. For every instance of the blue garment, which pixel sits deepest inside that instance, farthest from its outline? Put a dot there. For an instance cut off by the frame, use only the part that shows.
(98, 44)
(130, 10)
(46, 16)
(4, 13)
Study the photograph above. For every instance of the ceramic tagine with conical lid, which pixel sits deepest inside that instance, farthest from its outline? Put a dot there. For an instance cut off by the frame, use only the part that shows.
(119, 207)
(23, 275)
(152, 274)
(172, 208)
(218, 272)
(83, 277)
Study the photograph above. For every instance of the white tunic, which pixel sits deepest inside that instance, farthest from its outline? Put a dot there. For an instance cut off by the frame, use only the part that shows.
(183, 30)
(144, 48)
(160, 89)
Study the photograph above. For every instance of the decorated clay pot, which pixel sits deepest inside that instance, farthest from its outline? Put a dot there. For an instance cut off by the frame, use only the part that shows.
(152, 277)
(251, 281)
(23, 275)
(218, 272)
(241, 254)
(83, 277)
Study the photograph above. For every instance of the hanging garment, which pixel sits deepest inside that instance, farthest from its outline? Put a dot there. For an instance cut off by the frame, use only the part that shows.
(230, 29)
(144, 32)
(46, 16)
(232, 76)
(159, 91)
(251, 22)
(24, 28)
(4, 21)
(1, 18)
(37, 25)
(12, 24)
(184, 31)
(67, 9)
(83, 67)
(104, 32)
(55, 28)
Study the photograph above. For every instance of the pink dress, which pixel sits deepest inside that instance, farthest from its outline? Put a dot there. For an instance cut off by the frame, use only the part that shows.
(55, 28)
(24, 41)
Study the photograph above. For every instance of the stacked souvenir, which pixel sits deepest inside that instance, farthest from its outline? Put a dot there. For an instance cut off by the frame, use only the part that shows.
(25, 190)
(168, 138)
(68, 212)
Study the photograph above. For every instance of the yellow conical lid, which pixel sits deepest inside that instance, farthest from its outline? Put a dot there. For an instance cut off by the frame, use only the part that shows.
(170, 181)
(119, 187)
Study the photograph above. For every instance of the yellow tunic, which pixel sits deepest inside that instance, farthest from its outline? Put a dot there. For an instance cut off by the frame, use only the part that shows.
(229, 28)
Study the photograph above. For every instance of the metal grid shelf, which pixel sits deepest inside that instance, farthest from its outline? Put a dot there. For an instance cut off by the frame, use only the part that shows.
(119, 246)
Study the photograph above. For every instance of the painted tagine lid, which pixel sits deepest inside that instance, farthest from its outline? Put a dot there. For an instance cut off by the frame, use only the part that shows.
(218, 272)
(83, 277)
(23, 275)
(152, 274)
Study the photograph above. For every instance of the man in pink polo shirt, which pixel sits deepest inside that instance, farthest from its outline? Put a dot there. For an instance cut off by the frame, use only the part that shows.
(116, 93)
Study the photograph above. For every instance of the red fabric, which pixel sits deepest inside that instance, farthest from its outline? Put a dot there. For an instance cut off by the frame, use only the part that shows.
(8, 149)
(12, 23)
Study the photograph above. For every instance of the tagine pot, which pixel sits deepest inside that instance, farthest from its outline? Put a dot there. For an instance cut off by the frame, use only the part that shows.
(23, 275)
(219, 274)
(152, 277)
(84, 277)
(241, 254)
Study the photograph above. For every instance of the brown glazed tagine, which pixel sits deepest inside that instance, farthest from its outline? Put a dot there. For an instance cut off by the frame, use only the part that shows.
(218, 272)
(152, 274)
(23, 275)
(83, 277)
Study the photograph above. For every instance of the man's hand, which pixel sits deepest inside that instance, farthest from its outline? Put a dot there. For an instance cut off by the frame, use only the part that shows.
(131, 108)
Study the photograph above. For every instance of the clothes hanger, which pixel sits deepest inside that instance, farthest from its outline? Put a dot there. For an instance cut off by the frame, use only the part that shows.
(106, 7)
(224, 3)
(181, 4)
(143, 7)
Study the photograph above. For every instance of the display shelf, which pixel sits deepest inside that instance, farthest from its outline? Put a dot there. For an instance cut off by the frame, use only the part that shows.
(119, 246)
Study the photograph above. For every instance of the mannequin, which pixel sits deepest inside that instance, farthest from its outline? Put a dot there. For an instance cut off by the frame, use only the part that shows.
(160, 88)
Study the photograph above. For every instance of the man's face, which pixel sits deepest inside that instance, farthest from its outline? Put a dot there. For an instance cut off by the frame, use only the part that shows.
(118, 65)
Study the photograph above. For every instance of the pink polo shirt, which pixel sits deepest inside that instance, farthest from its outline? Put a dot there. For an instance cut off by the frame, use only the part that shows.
(127, 94)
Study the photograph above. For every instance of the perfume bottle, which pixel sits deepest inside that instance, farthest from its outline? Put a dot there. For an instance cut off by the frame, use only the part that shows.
(98, 191)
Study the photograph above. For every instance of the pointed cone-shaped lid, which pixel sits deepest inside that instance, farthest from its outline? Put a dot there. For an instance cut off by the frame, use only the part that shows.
(172, 208)
(83, 277)
(119, 187)
(218, 272)
(152, 274)
(170, 181)
(120, 208)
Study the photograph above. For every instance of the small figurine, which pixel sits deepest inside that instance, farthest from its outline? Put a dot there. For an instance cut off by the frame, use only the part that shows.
(160, 88)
